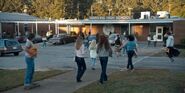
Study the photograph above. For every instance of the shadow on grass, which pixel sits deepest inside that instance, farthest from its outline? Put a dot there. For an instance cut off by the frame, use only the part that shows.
(13, 78)
(140, 81)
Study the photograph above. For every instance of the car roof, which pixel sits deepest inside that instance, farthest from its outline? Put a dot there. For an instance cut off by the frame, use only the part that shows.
(9, 39)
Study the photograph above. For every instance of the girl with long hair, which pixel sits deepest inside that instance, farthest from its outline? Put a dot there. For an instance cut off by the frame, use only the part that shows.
(79, 58)
(131, 47)
(104, 50)
(93, 54)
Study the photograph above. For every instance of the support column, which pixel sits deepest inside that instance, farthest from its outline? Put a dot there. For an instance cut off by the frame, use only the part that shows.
(58, 26)
(68, 29)
(129, 32)
(32, 29)
(36, 26)
(91, 28)
(55, 28)
(18, 32)
(49, 27)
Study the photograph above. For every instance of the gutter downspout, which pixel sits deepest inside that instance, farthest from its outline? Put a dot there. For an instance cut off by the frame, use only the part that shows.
(56, 27)
(129, 32)
(36, 25)
(91, 27)
(18, 32)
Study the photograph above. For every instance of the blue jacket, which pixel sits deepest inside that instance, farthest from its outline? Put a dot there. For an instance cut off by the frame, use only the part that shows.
(131, 45)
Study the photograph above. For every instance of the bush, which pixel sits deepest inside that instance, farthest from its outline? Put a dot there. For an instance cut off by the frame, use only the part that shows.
(183, 41)
(180, 46)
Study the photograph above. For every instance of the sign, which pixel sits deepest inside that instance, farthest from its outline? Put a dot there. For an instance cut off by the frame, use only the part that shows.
(109, 18)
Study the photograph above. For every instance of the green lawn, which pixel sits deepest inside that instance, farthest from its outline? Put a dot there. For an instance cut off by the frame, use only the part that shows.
(139, 81)
(13, 78)
(162, 53)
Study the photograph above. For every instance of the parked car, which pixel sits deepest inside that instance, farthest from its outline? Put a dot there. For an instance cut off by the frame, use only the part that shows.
(21, 39)
(8, 46)
(37, 39)
(61, 39)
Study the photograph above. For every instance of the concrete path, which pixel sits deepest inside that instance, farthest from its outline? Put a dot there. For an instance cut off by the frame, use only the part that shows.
(64, 83)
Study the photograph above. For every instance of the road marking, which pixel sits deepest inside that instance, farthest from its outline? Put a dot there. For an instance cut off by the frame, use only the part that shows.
(140, 59)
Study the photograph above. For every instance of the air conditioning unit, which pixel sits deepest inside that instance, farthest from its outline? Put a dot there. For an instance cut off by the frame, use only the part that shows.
(145, 15)
(163, 14)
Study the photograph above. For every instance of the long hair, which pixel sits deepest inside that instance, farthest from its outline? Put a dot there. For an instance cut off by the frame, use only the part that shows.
(93, 44)
(79, 42)
(103, 43)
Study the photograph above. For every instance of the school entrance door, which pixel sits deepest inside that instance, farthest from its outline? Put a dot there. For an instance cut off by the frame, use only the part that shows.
(159, 33)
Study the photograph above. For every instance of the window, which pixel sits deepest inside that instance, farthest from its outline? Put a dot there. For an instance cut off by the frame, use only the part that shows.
(10, 43)
(1, 43)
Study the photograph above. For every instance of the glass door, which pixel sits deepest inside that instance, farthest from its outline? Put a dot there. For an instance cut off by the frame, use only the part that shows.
(159, 33)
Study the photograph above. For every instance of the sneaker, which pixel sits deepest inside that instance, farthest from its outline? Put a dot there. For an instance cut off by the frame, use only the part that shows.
(122, 69)
(101, 82)
(172, 60)
(132, 70)
(36, 84)
(27, 87)
(31, 86)
(78, 81)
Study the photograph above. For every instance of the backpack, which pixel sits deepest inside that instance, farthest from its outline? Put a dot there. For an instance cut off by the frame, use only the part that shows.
(175, 52)
(118, 42)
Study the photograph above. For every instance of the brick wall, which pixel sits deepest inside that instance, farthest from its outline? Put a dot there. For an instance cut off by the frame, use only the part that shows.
(179, 30)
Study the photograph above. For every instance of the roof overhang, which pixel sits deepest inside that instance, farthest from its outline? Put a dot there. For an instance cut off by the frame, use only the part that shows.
(80, 22)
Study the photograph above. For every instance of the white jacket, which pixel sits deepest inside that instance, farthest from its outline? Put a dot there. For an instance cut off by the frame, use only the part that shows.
(81, 51)
(170, 41)
(93, 53)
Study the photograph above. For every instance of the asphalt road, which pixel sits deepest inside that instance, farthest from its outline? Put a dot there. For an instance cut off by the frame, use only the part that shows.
(61, 57)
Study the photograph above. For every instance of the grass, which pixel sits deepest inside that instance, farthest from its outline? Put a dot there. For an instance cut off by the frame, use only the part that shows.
(162, 53)
(14, 78)
(139, 81)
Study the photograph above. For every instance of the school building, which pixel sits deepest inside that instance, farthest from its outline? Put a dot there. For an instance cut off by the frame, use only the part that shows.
(18, 24)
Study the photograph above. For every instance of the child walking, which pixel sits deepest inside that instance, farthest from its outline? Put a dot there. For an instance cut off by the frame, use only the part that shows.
(93, 54)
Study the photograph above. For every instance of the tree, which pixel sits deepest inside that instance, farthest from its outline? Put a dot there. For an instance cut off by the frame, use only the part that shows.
(54, 9)
(12, 5)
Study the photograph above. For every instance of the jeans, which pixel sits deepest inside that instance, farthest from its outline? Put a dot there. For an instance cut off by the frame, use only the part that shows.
(81, 67)
(44, 44)
(149, 42)
(130, 55)
(103, 62)
(29, 70)
(93, 61)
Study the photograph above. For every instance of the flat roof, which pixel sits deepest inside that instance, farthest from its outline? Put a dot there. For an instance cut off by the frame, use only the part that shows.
(6, 17)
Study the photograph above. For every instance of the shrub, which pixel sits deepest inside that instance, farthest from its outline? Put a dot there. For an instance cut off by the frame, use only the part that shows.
(183, 41)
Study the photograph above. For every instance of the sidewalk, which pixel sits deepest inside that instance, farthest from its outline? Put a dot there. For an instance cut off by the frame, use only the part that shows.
(66, 83)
